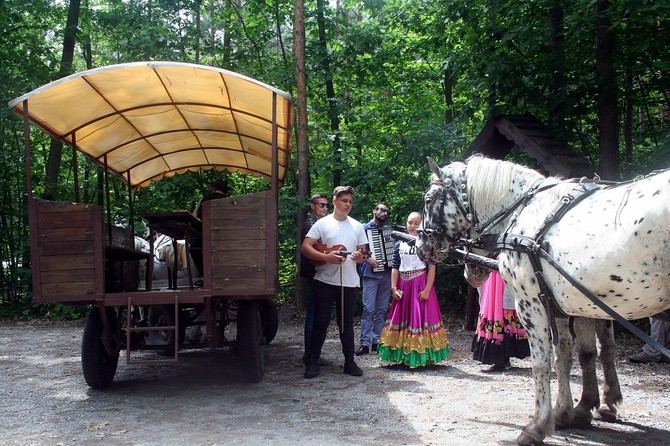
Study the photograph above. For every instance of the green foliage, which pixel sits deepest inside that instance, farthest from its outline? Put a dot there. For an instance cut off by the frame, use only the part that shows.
(412, 78)
(52, 312)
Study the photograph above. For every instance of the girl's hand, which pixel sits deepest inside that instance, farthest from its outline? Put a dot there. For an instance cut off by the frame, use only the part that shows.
(423, 295)
(396, 293)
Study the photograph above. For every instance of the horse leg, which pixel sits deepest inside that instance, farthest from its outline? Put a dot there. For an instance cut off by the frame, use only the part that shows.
(563, 366)
(535, 320)
(587, 353)
(611, 389)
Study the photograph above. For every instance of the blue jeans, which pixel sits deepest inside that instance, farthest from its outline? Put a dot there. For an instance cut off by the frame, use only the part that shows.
(660, 332)
(376, 296)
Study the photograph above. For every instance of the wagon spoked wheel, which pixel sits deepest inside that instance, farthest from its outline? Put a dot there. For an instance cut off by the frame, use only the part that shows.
(250, 343)
(269, 319)
(163, 316)
(98, 365)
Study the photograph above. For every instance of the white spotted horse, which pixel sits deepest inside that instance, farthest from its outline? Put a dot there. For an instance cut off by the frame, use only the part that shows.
(579, 248)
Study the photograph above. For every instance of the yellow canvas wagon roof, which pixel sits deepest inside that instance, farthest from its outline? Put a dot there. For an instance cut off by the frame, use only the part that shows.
(156, 119)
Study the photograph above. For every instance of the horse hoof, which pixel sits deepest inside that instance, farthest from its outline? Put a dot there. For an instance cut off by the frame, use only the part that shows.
(563, 419)
(607, 414)
(582, 418)
(530, 436)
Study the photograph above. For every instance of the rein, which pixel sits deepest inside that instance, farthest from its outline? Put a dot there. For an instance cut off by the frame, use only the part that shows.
(533, 245)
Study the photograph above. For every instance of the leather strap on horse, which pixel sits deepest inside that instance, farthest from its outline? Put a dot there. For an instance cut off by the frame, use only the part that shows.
(526, 244)
(613, 314)
(533, 247)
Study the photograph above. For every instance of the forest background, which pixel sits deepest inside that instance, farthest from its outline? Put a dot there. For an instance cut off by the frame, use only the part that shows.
(378, 86)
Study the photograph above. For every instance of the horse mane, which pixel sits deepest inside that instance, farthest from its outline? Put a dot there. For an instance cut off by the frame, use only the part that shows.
(489, 180)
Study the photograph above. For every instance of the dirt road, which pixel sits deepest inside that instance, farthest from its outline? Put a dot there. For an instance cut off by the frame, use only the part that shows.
(203, 400)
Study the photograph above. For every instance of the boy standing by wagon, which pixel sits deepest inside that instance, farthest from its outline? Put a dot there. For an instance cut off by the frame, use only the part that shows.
(336, 280)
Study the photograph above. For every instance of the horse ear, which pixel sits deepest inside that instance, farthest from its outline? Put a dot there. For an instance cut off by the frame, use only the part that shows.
(434, 167)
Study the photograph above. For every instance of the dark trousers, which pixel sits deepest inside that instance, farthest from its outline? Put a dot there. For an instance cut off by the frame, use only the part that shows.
(325, 296)
(309, 310)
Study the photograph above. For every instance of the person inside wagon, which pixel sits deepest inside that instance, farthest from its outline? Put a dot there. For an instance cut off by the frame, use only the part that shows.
(217, 189)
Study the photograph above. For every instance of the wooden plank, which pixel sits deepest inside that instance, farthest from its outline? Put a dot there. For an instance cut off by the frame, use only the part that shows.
(238, 245)
(251, 259)
(68, 220)
(66, 248)
(53, 290)
(78, 262)
(68, 276)
(239, 215)
(237, 234)
(238, 284)
(60, 234)
(239, 272)
(61, 207)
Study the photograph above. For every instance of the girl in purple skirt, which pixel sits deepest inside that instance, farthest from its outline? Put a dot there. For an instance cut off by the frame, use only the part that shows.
(414, 333)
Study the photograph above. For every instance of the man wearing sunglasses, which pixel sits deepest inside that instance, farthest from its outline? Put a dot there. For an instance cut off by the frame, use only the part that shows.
(318, 208)
(376, 290)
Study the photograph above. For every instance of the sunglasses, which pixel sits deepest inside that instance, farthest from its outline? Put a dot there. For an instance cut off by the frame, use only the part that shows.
(384, 210)
(322, 205)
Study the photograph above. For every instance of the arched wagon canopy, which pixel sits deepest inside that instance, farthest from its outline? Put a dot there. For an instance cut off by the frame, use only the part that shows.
(146, 120)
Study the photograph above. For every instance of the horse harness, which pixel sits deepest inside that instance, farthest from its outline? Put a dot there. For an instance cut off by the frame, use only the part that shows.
(536, 248)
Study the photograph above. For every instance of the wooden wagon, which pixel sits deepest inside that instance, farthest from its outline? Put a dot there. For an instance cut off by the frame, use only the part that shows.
(144, 122)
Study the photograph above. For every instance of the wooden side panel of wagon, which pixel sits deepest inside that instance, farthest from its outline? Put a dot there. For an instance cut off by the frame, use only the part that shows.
(66, 251)
(240, 245)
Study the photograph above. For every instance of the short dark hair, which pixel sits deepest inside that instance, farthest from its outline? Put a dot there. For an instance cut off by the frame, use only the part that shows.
(341, 190)
(316, 197)
(221, 185)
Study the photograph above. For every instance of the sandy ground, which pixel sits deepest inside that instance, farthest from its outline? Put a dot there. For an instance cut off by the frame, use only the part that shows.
(203, 400)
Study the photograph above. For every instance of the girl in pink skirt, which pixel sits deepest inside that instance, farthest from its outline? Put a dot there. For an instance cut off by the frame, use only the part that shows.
(499, 335)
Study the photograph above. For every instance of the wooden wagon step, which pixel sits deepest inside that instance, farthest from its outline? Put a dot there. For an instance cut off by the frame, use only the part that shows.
(173, 328)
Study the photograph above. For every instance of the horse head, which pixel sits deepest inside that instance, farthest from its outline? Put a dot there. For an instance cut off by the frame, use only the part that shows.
(446, 213)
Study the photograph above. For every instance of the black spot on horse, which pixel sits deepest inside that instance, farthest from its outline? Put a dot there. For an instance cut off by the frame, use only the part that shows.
(616, 278)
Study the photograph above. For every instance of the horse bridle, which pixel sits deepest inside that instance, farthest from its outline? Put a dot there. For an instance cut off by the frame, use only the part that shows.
(531, 245)
(459, 193)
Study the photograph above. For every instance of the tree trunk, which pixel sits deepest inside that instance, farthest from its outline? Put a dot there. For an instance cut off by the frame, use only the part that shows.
(607, 94)
(628, 118)
(198, 29)
(333, 112)
(448, 91)
(556, 77)
(304, 184)
(227, 42)
(56, 148)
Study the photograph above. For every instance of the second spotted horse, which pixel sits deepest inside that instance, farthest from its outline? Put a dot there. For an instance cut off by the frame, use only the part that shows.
(577, 248)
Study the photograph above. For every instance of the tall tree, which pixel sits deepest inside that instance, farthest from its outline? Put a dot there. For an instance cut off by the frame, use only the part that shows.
(333, 109)
(608, 128)
(556, 107)
(304, 184)
(56, 148)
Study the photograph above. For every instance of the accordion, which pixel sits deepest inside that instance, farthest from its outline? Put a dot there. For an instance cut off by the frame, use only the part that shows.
(381, 243)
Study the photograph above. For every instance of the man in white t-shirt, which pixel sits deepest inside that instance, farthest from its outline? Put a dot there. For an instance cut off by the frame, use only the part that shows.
(338, 242)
